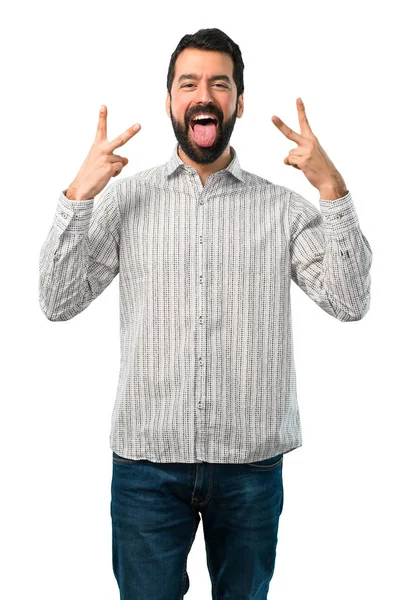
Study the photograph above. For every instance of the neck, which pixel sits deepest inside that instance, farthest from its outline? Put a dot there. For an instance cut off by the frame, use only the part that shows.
(205, 170)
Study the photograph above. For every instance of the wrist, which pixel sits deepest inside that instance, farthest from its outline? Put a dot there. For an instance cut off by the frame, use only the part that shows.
(73, 194)
(332, 193)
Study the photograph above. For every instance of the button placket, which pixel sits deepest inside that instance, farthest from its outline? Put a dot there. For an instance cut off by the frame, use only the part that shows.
(201, 320)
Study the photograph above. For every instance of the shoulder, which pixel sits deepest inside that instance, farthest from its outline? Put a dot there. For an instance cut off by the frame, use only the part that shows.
(272, 189)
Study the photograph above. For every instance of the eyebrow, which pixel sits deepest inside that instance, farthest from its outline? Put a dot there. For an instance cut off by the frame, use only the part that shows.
(213, 78)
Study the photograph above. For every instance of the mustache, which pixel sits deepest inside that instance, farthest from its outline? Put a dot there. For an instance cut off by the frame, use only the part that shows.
(205, 109)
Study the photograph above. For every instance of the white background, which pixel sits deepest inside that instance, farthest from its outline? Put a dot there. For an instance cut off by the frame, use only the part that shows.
(339, 530)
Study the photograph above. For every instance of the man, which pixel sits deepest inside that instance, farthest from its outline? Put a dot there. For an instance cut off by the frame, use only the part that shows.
(206, 402)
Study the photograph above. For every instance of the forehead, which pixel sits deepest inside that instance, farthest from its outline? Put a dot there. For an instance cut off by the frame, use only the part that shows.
(204, 63)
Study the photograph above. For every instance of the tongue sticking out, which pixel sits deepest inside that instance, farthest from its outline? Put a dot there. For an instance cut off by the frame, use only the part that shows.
(205, 134)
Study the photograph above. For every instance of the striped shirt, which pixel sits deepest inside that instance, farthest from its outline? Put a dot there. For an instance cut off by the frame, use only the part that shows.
(207, 370)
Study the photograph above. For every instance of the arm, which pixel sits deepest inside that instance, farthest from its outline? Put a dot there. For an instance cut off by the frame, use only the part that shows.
(330, 256)
(80, 256)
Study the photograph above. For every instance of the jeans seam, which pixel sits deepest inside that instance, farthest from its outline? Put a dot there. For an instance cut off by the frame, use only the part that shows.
(212, 572)
(187, 554)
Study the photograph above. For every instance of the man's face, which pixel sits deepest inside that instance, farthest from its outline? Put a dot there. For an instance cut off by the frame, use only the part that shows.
(201, 93)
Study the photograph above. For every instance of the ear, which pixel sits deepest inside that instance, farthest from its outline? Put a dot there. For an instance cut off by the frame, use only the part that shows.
(168, 104)
(240, 105)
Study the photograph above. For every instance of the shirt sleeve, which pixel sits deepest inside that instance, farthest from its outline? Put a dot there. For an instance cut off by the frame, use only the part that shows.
(330, 256)
(80, 256)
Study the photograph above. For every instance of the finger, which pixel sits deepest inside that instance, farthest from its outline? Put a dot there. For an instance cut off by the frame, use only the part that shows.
(118, 166)
(124, 137)
(304, 124)
(289, 133)
(291, 160)
(116, 158)
(101, 133)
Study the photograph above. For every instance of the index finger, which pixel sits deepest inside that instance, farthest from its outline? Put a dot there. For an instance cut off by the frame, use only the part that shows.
(124, 137)
(289, 133)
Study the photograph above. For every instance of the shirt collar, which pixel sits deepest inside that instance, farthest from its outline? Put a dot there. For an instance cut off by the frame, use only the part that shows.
(175, 162)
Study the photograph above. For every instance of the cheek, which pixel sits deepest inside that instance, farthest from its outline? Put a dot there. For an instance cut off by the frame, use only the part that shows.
(179, 109)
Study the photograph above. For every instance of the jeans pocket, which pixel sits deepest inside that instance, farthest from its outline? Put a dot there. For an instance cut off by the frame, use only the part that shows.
(121, 460)
(267, 463)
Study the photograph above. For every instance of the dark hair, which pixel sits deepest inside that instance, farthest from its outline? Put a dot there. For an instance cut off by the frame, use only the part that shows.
(210, 39)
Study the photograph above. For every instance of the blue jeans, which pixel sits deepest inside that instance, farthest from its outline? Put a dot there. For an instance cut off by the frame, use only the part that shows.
(155, 511)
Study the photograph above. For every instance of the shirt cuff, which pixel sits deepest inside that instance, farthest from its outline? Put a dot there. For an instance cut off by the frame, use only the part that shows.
(75, 214)
(339, 215)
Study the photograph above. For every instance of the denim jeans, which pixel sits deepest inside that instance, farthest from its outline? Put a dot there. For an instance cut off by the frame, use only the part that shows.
(155, 511)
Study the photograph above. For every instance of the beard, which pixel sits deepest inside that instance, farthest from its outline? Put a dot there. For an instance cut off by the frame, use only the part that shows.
(200, 154)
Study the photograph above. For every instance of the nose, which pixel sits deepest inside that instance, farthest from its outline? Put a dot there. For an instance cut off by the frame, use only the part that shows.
(204, 93)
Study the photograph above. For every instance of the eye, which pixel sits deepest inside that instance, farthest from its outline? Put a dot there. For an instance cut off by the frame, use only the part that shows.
(220, 84)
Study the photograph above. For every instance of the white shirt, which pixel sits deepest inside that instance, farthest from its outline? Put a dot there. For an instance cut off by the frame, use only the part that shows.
(207, 369)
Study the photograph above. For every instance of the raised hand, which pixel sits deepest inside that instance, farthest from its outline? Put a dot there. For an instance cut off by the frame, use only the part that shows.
(311, 158)
(100, 164)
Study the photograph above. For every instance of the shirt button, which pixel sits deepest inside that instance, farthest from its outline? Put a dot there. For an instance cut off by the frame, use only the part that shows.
(64, 215)
(201, 201)
(199, 404)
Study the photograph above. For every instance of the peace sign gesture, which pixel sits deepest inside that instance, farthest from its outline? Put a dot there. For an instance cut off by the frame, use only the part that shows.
(311, 158)
(100, 164)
